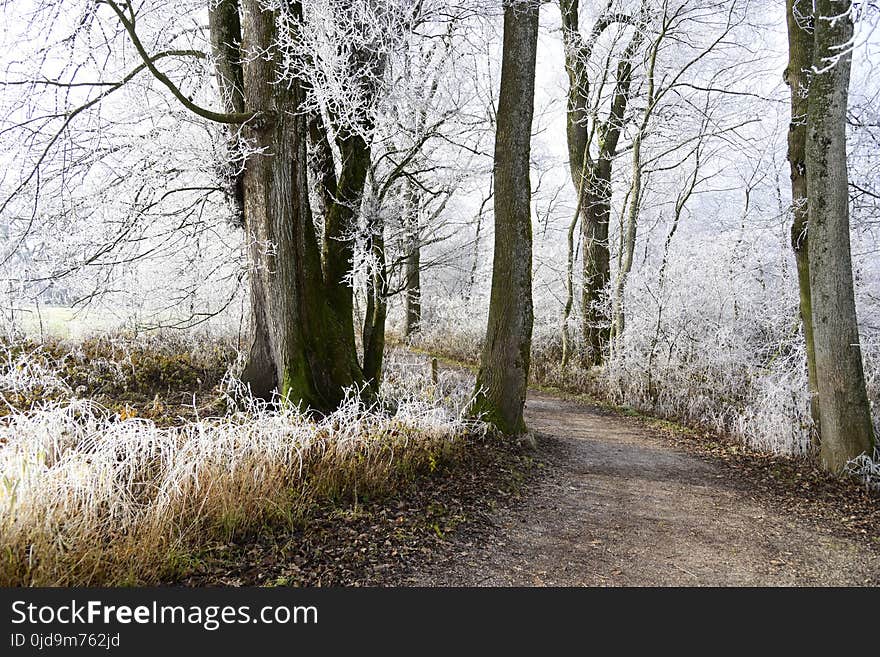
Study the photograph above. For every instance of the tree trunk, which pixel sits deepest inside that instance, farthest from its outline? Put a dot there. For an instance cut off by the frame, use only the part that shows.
(504, 363)
(800, 47)
(366, 68)
(339, 228)
(225, 28)
(845, 418)
(592, 177)
(413, 298)
(596, 262)
(323, 170)
(413, 275)
(577, 53)
(298, 345)
(373, 335)
(597, 255)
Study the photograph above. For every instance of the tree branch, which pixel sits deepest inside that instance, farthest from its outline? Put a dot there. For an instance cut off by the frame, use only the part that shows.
(218, 117)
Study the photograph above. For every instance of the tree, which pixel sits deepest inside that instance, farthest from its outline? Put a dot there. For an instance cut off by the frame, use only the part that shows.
(846, 430)
(303, 339)
(799, 18)
(428, 137)
(591, 175)
(328, 56)
(502, 379)
(672, 19)
(301, 344)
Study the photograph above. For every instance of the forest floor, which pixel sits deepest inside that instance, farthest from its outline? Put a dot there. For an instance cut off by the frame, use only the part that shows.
(606, 499)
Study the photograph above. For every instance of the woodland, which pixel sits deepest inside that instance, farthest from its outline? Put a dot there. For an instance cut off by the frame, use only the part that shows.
(399, 292)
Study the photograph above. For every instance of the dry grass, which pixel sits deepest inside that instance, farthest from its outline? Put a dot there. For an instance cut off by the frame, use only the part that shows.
(92, 496)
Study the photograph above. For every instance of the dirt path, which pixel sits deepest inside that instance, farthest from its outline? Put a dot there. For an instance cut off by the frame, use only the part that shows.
(614, 505)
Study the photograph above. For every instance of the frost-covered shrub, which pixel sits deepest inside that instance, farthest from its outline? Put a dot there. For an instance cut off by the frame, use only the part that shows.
(93, 496)
(452, 325)
(867, 469)
(717, 345)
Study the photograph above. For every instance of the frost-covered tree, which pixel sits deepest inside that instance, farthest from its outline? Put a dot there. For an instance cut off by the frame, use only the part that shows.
(285, 72)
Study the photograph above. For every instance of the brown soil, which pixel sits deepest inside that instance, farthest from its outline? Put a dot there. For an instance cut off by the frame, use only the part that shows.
(619, 503)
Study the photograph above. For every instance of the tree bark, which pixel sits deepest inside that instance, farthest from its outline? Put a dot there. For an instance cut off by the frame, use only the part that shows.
(299, 342)
(373, 335)
(339, 227)
(225, 28)
(592, 177)
(504, 364)
(596, 264)
(846, 429)
(412, 272)
(799, 14)
(323, 170)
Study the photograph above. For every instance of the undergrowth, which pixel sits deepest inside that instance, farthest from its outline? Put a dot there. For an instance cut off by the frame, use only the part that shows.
(92, 495)
(762, 406)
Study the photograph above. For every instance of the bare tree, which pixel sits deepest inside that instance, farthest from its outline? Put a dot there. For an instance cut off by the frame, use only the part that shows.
(591, 173)
(425, 144)
(672, 19)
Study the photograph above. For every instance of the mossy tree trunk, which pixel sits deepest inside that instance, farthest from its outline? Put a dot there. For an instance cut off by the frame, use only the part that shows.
(300, 340)
(340, 227)
(504, 363)
(413, 266)
(799, 14)
(343, 205)
(846, 429)
(225, 29)
(591, 176)
(341, 200)
(373, 333)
